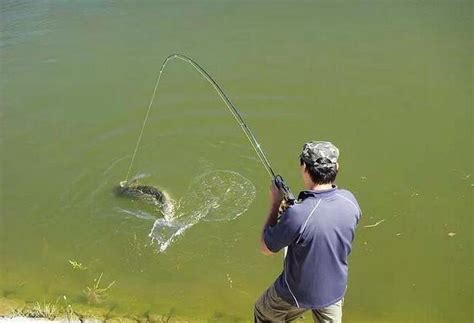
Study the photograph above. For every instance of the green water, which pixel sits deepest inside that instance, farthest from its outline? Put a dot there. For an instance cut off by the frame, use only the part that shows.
(389, 82)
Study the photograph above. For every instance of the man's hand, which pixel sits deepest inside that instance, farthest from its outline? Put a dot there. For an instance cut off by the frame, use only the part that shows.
(275, 201)
(275, 195)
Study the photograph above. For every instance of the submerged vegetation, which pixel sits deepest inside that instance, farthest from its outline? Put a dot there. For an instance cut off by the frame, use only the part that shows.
(61, 310)
(77, 265)
(95, 294)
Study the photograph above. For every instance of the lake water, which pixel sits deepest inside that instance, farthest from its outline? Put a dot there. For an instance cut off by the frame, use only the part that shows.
(389, 82)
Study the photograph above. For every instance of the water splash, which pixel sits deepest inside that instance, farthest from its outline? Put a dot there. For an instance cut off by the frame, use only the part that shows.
(139, 214)
(214, 196)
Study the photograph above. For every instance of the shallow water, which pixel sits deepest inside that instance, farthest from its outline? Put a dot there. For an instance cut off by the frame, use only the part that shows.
(389, 82)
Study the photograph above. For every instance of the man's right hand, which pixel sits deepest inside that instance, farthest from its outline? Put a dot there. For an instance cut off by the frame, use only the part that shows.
(276, 197)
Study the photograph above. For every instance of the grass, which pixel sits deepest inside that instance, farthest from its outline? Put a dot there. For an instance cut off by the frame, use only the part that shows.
(38, 310)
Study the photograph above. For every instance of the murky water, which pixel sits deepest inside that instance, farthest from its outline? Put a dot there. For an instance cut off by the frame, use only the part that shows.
(389, 82)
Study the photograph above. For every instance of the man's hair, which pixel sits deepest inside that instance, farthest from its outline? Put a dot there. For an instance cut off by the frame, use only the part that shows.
(321, 175)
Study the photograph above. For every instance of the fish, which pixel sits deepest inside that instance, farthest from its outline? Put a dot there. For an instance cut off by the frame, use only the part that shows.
(132, 189)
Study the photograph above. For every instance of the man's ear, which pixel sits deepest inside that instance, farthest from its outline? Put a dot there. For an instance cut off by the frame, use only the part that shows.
(305, 169)
(337, 166)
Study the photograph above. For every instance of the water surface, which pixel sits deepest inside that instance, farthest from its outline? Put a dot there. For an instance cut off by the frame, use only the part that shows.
(389, 82)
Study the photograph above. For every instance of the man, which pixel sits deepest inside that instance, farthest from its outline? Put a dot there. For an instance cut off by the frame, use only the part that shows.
(318, 231)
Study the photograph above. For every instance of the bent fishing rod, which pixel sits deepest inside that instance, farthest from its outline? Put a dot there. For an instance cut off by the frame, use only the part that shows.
(277, 179)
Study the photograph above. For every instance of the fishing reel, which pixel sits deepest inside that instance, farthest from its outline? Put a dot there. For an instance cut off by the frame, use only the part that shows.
(288, 197)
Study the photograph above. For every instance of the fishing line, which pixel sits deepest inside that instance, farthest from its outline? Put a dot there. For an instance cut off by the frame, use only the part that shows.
(235, 112)
(232, 108)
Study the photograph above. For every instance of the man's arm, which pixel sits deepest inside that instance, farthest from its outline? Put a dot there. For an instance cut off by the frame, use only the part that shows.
(272, 217)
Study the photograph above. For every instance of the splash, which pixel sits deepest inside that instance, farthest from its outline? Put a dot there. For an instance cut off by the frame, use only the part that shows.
(214, 196)
(139, 214)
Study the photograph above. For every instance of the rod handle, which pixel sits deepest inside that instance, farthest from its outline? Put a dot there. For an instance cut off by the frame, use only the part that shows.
(284, 189)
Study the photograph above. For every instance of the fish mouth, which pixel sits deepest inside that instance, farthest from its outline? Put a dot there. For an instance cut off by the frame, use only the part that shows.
(134, 179)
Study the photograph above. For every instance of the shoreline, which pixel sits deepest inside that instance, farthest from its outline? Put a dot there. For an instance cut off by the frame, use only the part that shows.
(17, 310)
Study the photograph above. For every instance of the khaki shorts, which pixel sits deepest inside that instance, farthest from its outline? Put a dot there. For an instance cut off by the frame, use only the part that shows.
(272, 308)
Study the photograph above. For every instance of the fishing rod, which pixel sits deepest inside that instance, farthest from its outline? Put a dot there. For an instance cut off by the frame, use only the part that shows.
(277, 179)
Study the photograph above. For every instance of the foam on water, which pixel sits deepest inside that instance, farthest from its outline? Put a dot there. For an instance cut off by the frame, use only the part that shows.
(214, 196)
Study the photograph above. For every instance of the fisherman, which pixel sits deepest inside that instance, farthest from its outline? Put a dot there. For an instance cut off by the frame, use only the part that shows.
(318, 231)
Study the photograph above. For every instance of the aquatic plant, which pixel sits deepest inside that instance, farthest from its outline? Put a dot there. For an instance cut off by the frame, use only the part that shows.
(70, 314)
(96, 294)
(77, 265)
(165, 318)
(39, 310)
(46, 310)
(17, 312)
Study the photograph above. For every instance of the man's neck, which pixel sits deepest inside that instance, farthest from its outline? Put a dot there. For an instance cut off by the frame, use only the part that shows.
(320, 187)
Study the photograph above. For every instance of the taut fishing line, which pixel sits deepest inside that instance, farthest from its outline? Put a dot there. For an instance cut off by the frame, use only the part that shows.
(278, 180)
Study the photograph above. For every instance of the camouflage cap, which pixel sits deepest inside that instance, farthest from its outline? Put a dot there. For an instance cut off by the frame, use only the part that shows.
(313, 151)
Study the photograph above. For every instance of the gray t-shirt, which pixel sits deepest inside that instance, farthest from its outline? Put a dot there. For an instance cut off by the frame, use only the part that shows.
(318, 230)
